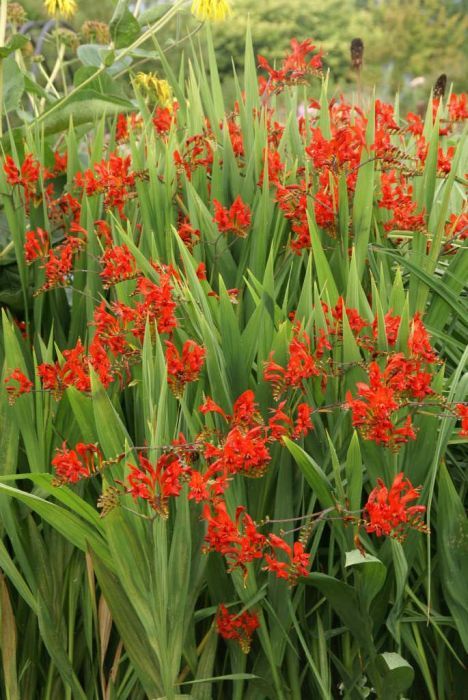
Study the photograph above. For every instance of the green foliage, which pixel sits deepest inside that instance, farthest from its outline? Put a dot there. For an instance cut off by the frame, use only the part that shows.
(121, 603)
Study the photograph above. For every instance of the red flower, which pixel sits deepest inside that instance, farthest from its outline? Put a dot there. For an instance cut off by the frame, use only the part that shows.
(387, 512)
(73, 372)
(297, 564)
(236, 219)
(245, 410)
(372, 413)
(458, 107)
(397, 196)
(201, 271)
(418, 341)
(185, 367)
(36, 245)
(244, 452)
(111, 177)
(303, 422)
(157, 305)
(238, 540)
(392, 326)
(118, 265)
(59, 266)
(239, 628)
(209, 406)
(188, 234)
(27, 177)
(301, 366)
(296, 67)
(157, 482)
(80, 463)
(462, 411)
(162, 119)
(17, 384)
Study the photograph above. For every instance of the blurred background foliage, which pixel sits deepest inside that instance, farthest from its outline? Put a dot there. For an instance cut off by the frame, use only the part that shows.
(408, 43)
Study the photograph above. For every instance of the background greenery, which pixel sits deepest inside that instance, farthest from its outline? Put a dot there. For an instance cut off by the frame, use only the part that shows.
(403, 39)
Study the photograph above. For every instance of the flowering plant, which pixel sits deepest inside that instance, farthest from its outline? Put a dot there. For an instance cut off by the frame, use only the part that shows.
(235, 383)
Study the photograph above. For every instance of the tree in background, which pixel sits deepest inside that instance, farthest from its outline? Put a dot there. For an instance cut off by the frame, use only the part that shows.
(403, 40)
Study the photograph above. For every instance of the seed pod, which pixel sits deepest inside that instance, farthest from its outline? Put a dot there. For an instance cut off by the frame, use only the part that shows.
(357, 53)
(439, 86)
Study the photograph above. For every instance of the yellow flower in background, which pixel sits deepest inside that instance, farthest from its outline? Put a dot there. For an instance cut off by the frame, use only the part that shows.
(155, 88)
(210, 9)
(67, 8)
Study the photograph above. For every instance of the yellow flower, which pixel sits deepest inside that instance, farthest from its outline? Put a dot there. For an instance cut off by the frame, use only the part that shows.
(155, 88)
(67, 8)
(210, 9)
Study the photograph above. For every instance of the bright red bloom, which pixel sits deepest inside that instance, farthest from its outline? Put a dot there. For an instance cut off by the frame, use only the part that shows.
(387, 512)
(397, 196)
(157, 482)
(239, 628)
(73, 372)
(301, 366)
(296, 67)
(462, 411)
(297, 563)
(80, 463)
(245, 410)
(201, 271)
(27, 177)
(210, 406)
(238, 540)
(36, 245)
(17, 384)
(418, 341)
(188, 234)
(372, 412)
(244, 452)
(59, 266)
(236, 219)
(113, 178)
(392, 326)
(162, 119)
(157, 305)
(280, 424)
(118, 265)
(458, 107)
(303, 424)
(185, 367)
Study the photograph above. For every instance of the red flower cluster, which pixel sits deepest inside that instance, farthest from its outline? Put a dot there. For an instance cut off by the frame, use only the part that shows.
(81, 463)
(462, 412)
(184, 367)
(27, 177)
(240, 542)
(113, 178)
(158, 482)
(375, 412)
(296, 68)
(17, 384)
(235, 219)
(197, 153)
(239, 628)
(118, 264)
(74, 372)
(36, 245)
(397, 196)
(387, 511)
(301, 365)
(188, 233)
